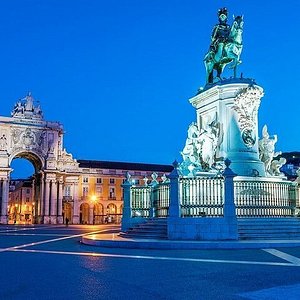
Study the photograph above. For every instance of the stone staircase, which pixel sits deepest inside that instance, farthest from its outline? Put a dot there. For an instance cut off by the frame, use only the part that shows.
(268, 228)
(155, 228)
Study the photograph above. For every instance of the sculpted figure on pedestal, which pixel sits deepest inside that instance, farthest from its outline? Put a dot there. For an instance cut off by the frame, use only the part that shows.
(25, 108)
(191, 149)
(201, 145)
(276, 165)
(3, 142)
(225, 47)
(209, 138)
(266, 147)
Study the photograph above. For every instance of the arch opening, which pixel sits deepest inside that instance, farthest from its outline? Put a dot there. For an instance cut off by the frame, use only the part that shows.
(24, 200)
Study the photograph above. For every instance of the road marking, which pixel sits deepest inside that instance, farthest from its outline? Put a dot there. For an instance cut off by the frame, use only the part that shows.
(290, 258)
(16, 229)
(50, 241)
(94, 254)
(31, 234)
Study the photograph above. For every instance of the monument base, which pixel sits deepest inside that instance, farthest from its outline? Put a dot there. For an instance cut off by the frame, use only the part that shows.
(4, 220)
(227, 125)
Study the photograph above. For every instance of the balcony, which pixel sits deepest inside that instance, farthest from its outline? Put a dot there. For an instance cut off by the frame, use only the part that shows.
(67, 198)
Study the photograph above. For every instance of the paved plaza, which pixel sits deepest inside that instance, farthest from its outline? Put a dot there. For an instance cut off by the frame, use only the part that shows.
(49, 262)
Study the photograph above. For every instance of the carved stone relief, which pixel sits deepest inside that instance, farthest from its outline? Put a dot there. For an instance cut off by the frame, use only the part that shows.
(246, 104)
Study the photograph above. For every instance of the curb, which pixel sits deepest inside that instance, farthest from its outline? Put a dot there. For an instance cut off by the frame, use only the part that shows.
(117, 242)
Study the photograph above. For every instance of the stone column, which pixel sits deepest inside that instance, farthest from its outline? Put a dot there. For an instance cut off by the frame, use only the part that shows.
(174, 208)
(5, 190)
(41, 200)
(75, 203)
(46, 201)
(229, 206)
(53, 202)
(60, 197)
(126, 217)
(91, 214)
(34, 204)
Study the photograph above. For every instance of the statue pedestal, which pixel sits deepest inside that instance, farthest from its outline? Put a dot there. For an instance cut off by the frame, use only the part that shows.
(232, 107)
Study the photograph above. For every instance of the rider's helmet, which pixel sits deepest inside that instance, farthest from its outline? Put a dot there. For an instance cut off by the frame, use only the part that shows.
(222, 14)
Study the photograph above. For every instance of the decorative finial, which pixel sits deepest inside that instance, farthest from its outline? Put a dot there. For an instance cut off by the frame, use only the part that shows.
(164, 178)
(145, 179)
(127, 176)
(227, 162)
(175, 164)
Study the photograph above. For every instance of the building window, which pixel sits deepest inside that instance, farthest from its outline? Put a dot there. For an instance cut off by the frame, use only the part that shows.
(111, 180)
(85, 180)
(27, 199)
(67, 190)
(99, 190)
(27, 191)
(112, 193)
(85, 191)
(99, 180)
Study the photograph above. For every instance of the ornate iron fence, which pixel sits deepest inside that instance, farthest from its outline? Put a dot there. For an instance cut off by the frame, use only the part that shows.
(140, 201)
(161, 200)
(265, 198)
(204, 197)
(201, 197)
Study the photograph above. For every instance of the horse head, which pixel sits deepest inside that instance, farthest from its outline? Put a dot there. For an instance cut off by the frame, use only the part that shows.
(237, 29)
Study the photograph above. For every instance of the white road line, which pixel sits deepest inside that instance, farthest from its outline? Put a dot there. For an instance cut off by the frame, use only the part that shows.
(156, 257)
(31, 234)
(290, 258)
(27, 228)
(49, 241)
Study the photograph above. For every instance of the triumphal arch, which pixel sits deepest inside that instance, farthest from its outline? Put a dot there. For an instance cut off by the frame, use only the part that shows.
(27, 135)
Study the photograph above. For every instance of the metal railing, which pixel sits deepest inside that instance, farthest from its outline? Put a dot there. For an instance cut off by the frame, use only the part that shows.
(161, 200)
(140, 201)
(265, 198)
(201, 197)
(205, 197)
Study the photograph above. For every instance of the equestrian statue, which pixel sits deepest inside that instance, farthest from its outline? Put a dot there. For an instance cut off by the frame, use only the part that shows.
(225, 47)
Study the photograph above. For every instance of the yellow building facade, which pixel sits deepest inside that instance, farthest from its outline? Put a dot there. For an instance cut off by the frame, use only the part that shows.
(93, 195)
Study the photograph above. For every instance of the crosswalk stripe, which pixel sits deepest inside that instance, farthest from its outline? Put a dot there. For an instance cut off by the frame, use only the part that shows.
(290, 258)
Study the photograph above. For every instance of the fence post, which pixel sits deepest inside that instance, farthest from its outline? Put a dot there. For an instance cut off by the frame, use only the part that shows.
(126, 216)
(174, 207)
(153, 185)
(229, 206)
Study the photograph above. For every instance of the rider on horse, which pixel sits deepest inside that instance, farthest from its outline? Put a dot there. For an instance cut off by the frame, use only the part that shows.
(220, 33)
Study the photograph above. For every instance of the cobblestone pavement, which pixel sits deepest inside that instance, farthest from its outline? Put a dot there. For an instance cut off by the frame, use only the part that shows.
(49, 262)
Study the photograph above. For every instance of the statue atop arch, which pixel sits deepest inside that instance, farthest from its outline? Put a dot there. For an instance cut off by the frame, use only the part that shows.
(25, 108)
(225, 47)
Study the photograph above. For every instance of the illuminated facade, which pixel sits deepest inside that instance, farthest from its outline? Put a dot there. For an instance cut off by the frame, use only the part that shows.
(20, 203)
(82, 191)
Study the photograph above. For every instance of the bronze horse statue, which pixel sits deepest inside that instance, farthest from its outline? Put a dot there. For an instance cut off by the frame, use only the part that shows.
(227, 52)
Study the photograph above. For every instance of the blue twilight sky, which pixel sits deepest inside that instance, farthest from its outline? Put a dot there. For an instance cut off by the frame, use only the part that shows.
(118, 73)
